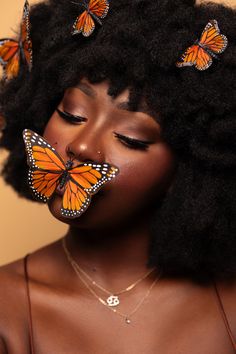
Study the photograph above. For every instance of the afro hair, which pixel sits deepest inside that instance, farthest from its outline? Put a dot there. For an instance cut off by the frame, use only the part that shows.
(137, 46)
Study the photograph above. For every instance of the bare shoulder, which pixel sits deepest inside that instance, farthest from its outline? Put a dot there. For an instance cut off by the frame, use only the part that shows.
(12, 294)
(11, 280)
(13, 291)
(42, 269)
(227, 292)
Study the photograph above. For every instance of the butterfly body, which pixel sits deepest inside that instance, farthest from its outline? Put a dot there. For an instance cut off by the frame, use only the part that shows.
(204, 47)
(63, 179)
(200, 54)
(48, 172)
(95, 17)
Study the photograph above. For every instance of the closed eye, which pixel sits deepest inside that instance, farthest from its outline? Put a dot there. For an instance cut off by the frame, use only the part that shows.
(71, 118)
(133, 143)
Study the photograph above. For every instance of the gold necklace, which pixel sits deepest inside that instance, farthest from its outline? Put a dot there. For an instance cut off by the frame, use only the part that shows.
(127, 317)
(113, 298)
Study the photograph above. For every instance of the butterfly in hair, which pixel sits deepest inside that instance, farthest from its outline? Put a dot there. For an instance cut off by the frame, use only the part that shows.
(94, 10)
(12, 52)
(48, 173)
(200, 54)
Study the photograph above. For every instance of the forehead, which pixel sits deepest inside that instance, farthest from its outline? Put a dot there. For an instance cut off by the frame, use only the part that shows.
(121, 101)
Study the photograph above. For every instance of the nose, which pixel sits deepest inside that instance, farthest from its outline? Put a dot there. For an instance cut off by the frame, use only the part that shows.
(85, 148)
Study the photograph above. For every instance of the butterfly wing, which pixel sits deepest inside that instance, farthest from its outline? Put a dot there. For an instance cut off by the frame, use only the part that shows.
(203, 60)
(91, 177)
(99, 8)
(46, 168)
(89, 26)
(43, 183)
(197, 56)
(84, 23)
(85, 180)
(211, 43)
(8, 49)
(9, 57)
(75, 200)
(26, 43)
(46, 165)
(212, 39)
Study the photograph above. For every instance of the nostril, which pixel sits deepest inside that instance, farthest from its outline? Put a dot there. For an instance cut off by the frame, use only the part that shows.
(69, 152)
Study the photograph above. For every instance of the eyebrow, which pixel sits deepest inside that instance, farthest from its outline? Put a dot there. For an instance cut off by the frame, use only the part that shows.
(123, 105)
(89, 91)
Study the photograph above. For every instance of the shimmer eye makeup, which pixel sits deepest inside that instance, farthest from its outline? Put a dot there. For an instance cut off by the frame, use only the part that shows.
(133, 143)
(71, 118)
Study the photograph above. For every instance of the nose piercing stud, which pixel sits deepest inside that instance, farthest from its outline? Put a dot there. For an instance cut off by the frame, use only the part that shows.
(99, 152)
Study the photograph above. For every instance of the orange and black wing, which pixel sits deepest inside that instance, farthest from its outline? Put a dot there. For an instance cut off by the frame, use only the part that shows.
(9, 57)
(12, 51)
(26, 43)
(46, 165)
(84, 23)
(197, 56)
(212, 39)
(43, 183)
(99, 8)
(200, 54)
(75, 200)
(85, 180)
(91, 177)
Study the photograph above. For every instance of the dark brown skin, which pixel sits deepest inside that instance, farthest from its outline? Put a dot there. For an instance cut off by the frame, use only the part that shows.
(110, 241)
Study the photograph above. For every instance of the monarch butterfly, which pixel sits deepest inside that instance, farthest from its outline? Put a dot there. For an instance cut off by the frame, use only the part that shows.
(12, 51)
(48, 171)
(200, 54)
(94, 10)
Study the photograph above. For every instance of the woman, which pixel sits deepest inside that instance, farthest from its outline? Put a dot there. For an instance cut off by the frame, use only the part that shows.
(158, 241)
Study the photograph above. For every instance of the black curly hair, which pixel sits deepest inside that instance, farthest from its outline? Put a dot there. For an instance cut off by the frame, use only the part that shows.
(194, 230)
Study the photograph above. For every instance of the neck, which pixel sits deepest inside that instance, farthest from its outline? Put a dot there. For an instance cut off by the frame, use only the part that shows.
(120, 253)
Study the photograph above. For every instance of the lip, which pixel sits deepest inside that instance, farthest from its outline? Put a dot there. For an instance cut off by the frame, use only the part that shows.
(98, 194)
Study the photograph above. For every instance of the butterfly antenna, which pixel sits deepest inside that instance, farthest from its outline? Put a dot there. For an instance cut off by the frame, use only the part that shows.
(79, 4)
(72, 158)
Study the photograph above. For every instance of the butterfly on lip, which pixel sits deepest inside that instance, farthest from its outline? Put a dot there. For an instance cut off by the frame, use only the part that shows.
(13, 52)
(200, 54)
(48, 171)
(93, 10)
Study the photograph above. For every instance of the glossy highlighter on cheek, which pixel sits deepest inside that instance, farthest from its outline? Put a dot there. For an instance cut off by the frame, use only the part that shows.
(48, 172)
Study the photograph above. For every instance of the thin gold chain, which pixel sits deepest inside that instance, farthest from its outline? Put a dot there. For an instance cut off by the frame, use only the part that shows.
(130, 287)
(126, 316)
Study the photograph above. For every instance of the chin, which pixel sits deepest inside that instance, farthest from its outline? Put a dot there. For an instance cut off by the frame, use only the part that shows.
(93, 217)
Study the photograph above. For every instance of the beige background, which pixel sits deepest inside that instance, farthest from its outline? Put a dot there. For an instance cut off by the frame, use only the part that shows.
(22, 230)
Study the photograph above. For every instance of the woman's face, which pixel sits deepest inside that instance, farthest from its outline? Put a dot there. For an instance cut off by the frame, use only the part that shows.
(95, 122)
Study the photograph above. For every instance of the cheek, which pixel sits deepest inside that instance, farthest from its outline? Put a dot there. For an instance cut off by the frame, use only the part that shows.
(51, 130)
(149, 177)
(56, 134)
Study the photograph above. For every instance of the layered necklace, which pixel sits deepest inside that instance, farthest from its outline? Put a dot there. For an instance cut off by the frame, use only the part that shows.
(112, 300)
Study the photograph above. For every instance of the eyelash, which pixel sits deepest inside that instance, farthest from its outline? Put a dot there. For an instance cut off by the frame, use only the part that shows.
(129, 143)
(71, 118)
